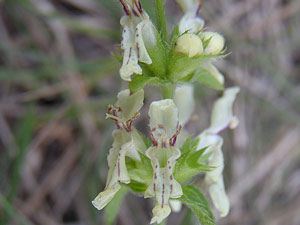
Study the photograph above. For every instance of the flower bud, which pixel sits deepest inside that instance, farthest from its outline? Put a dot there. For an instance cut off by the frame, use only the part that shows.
(189, 44)
(216, 42)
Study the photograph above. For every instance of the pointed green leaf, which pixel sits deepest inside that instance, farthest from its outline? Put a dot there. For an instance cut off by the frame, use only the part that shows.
(158, 55)
(182, 171)
(196, 201)
(175, 34)
(194, 158)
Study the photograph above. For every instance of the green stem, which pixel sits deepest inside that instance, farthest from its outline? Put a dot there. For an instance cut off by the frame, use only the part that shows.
(161, 18)
(167, 91)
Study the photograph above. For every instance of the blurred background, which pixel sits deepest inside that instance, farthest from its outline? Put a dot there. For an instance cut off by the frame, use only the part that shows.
(58, 74)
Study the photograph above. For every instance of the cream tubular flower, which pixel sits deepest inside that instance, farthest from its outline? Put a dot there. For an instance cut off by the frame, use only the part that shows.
(163, 154)
(222, 117)
(185, 102)
(126, 142)
(190, 21)
(138, 34)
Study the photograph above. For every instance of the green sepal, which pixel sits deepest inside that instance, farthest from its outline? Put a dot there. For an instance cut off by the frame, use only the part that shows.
(174, 36)
(140, 81)
(205, 77)
(117, 54)
(180, 65)
(159, 58)
(188, 164)
(112, 208)
(205, 42)
(140, 171)
(196, 201)
(147, 141)
(137, 187)
(193, 160)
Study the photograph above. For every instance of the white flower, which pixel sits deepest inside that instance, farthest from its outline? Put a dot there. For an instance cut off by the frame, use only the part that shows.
(189, 5)
(126, 142)
(219, 197)
(126, 109)
(163, 119)
(185, 102)
(221, 118)
(190, 21)
(163, 154)
(138, 34)
(222, 115)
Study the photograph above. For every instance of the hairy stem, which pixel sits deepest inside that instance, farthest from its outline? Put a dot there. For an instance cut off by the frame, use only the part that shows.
(161, 18)
(167, 91)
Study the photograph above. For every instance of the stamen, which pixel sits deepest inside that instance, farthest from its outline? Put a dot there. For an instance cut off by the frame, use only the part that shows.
(138, 5)
(135, 12)
(154, 142)
(128, 123)
(125, 7)
(173, 139)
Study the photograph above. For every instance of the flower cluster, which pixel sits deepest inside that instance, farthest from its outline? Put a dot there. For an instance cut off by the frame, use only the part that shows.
(159, 170)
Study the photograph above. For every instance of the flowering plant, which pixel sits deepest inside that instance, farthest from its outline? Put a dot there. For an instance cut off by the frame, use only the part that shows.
(162, 169)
